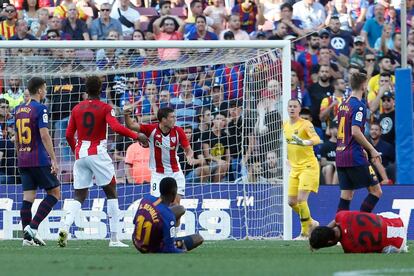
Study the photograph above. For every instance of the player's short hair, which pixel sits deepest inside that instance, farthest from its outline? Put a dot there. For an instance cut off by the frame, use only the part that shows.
(295, 100)
(322, 236)
(163, 113)
(168, 186)
(93, 86)
(34, 84)
(357, 80)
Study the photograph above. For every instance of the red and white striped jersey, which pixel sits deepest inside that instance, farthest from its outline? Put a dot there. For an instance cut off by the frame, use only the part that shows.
(89, 119)
(163, 147)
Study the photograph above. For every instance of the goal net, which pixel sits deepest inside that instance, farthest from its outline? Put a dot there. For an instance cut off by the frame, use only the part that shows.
(228, 97)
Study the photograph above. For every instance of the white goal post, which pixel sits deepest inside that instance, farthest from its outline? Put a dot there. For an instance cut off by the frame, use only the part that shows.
(237, 202)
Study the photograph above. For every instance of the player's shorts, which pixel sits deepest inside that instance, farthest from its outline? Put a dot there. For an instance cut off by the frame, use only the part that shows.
(402, 233)
(352, 178)
(97, 167)
(38, 177)
(157, 177)
(306, 179)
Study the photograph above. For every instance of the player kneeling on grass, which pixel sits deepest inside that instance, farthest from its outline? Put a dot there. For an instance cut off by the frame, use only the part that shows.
(361, 232)
(156, 221)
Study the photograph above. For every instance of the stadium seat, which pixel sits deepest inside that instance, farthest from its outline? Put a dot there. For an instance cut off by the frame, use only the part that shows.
(147, 11)
(179, 11)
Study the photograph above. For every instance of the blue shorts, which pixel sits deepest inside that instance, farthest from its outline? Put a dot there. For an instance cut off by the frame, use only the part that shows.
(38, 177)
(352, 178)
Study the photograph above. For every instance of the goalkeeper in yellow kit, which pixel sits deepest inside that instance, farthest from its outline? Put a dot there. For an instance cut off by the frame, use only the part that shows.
(300, 136)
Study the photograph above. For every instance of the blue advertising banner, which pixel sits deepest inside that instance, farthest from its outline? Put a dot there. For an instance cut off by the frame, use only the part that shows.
(217, 211)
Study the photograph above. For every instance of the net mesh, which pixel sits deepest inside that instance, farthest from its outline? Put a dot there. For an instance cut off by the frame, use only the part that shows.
(228, 100)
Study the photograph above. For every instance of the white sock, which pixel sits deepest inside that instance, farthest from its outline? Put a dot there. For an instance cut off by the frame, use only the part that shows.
(74, 207)
(113, 211)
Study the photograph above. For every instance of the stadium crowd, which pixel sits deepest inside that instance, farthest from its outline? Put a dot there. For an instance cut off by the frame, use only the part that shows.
(230, 140)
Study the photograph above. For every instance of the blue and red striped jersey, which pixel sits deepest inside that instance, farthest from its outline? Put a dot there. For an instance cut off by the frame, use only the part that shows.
(349, 153)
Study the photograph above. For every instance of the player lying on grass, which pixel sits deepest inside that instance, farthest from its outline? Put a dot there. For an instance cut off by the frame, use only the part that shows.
(361, 232)
(155, 223)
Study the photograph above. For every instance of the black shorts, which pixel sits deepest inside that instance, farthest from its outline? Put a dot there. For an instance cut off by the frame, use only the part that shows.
(38, 177)
(352, 178)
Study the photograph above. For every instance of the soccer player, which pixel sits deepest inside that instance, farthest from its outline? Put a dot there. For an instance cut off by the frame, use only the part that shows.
(36, 161)
(300, 136)
(155, 222)
(89, 119)
(354, 170)
(361, 232)
(164, 139)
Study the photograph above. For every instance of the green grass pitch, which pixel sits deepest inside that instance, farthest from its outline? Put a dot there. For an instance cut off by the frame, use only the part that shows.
(212, 258)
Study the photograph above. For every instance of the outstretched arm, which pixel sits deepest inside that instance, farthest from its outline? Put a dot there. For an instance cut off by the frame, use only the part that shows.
(131, 124)
(120, 129)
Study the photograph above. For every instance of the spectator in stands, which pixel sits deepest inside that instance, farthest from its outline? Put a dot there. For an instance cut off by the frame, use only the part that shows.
(204, 123)
(199, 171)
(318, 91)
(340, 10)
(132, 94)
(330, 104)
(39, 27)
(217, 11)
(229, 35)
(328, 155)
(186, 105)
(4, 117)
(327, 57)
(294, 25)
(22, 31)
(217, 103)
(7, 27)
(63, 94)
(280, 32)
(164, 10)
(395, 52)
(311, 13)
(137, 56)
(101, 26)
(385, 66)
(8, 166)
(387, 154)
(216, 149)
(272, 169)
(29, 12)
(62, 11)
(107, 58)
(168, 28)
(200, 31)
(372, 29)
(309, 57)
(148, 104)
(137, 164)
(385, 40)
(358, 10)
(164, 98)
(73, 26)
(55, 23)
(375, 96)
(369, 60)
(196, 9)
(14, 92)
(235, 134)
(234, 26)
(340, 40)
(250, 13)
(127, 16)
(387, 118)
(297, 92)
(359, 50)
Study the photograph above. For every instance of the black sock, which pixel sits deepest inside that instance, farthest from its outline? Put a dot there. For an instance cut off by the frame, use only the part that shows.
(26, 213)
(44, 209)
(343, 205)
(369, 203)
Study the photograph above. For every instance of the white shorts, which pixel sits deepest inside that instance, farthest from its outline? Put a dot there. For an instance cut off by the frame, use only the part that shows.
(156, 179)
(404, 247)
(98, 167)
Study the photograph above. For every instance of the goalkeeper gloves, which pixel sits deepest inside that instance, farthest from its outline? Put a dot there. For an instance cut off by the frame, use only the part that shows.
(300, 141)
